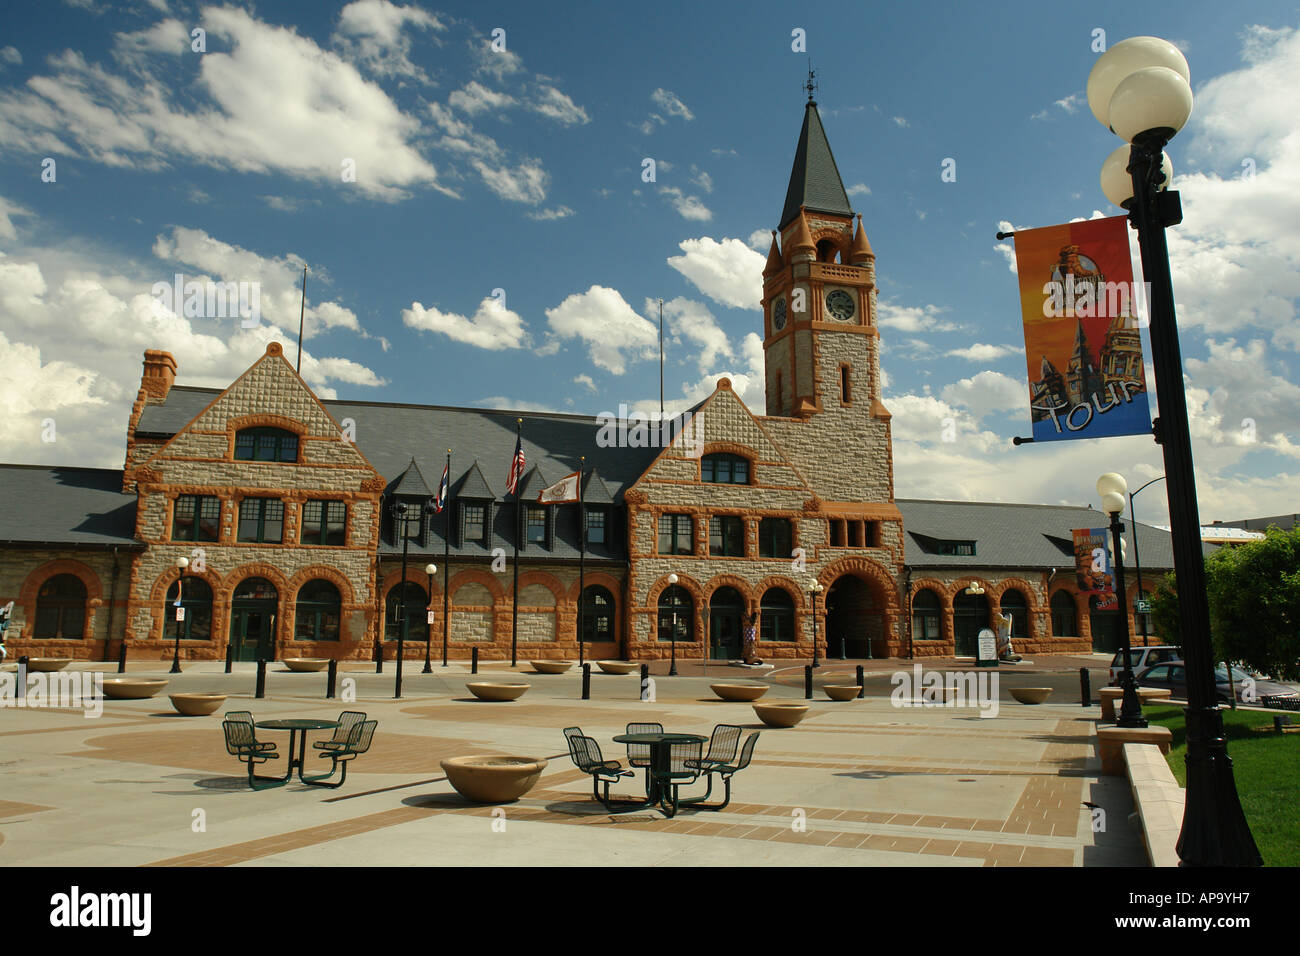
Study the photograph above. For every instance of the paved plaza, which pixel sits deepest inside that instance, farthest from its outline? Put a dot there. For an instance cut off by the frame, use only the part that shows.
(856, 783)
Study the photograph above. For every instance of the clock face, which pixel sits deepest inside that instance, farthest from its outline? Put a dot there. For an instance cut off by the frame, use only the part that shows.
(778, 315)
(840, 305)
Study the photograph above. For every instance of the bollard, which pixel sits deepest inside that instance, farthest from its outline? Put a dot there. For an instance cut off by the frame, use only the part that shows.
(473, 661)
(586, 682)
(331, 679)
(807, 682)
(1085, 687)
(261, 679)
(862, 683)
(121, 657)
(230, 655)
(379, 657)
(645, 682)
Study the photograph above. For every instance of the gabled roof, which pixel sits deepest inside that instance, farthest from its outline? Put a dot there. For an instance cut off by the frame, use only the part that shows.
(533, 484)
(594, 491)
(81, 507)
(815, 180)
(411, 482)
(472, 485)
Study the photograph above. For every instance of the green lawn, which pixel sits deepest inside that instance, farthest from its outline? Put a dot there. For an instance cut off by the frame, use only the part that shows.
(1266, 767)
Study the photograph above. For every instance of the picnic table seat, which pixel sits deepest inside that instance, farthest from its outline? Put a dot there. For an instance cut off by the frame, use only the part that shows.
(347, 720)
(726, 771)
(586, 756)
(358, 742)
(246, 717)
(723, 744)
(243, 744)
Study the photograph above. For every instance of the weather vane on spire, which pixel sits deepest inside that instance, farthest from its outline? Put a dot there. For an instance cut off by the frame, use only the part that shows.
(811, 85)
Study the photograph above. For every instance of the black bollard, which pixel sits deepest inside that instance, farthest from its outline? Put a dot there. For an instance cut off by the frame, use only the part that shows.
(645, 681)
(261, 679)
(379, 657)
(331, 679)
(862, 683)
(807, 682)
(1085, 687)
(230, 656)
(586, 682)
(473, 661)
(121, 657)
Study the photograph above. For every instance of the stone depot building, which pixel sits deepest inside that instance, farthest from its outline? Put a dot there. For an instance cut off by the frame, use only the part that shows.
(284, 507)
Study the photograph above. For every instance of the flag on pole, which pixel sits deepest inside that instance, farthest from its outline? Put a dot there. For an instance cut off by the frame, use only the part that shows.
(562, 492)
(440, 500)
(516, 467)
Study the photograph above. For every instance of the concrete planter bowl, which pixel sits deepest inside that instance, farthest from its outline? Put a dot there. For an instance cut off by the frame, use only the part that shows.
(497, 690)
(740, 691)
(47, 664)
(618, 667)
(1031, 695)
(132, 688)
(781, 714)
(841, 691)
(493, 778)
(306, 664)
(197, 705)
(551, 667)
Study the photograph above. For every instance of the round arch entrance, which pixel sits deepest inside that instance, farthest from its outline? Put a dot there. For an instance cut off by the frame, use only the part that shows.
(726, 610)
(855, 619)
(970, 615)
(253, 609)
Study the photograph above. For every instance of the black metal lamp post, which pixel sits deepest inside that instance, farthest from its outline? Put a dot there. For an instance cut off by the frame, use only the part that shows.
(430, 570)
(401, 513)
(1140, 89)
(1112, 488)
(1137, 555)
(815, 589)
(182, 563)
(672, 668)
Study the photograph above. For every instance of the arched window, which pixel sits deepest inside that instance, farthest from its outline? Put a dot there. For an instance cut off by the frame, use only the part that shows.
(1013, 602)
(676, 608)
(925, 615)
(197, 602)
(266, 444)
(597, 614)
(826, 250)
(416, 605)
(61, 608)
(318, 612)
(1065, 616)
(724, 469)
(777, 620)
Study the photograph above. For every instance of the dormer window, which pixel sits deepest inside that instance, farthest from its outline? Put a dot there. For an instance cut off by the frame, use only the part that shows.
(266, 444)
(724, 469)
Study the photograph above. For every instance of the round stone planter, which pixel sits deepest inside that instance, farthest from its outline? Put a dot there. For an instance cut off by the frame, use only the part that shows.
(47, 664)
(132, 688)
(618, 667)
(493, 778)
(197, 705)
(551, 667)
(781, 714)
(497, 690)
(841, 691)
(305, 664)
(739, 691)
(1031, 695)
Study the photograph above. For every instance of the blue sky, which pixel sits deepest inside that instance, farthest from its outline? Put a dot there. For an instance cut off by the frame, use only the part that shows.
(521, 171)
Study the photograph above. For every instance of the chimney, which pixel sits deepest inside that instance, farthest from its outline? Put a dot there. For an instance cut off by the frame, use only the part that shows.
(159, 374)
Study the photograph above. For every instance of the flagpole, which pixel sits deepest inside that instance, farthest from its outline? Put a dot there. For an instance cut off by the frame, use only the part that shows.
(446, 562)
(514, 604)
(302, 311)
(582, 555)
(661, 363)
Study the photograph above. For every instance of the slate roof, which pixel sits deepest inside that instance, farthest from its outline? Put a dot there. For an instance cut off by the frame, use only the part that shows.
(80, 507)
(1017, 536)
(814, 179)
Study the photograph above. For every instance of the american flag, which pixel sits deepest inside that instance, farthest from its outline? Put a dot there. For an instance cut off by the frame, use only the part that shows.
(440, 500)
(516, 467)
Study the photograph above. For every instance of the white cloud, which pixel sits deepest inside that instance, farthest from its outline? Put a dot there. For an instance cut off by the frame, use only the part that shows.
(728, 272)
(586, 381)
(692, 321)
(670, 103)
(987, 392)
(760, 240)
(524, 183)
(474, 98)
(8, 210)
(547, 215)
(859, 189)
(610, 328)
(688, 207)
(900, 121)
(925, 318)
(492, 326)
(979, 352)
(10, 54)
(552, 103)
(165, 36)
(703, 180)
(373, 34)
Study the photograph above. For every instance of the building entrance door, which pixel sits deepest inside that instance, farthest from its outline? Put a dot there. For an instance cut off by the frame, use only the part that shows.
(970, 615)
(725, 610)
(252, 620)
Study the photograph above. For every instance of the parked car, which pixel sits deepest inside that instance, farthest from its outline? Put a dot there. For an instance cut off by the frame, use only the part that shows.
(1144, 657)
(1250, 687)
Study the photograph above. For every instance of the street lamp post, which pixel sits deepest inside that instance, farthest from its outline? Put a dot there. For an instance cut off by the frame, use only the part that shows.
(400, 514)
(1140, 90)
(1137, 555)
(1112, 488)
(430, 570)
(672, 668)
(815, 589)
(182, 563)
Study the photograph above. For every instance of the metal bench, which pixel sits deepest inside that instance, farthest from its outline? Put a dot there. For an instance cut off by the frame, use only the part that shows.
(243, 743)
(358, 742)
(586, 756)
(246, 717)
(723, 744)
(726, 772)
(347, 721)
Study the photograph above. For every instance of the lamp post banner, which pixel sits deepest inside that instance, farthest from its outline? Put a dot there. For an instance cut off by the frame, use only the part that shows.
(1083, 349)
(1092, 568)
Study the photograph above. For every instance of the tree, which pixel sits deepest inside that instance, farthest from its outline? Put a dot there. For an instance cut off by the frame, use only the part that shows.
(1254, 592)
(1164, 610)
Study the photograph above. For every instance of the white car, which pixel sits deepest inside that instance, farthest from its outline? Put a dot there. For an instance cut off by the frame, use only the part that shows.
(1142, 658)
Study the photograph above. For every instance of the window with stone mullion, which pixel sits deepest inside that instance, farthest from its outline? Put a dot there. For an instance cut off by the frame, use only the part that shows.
(726, 536)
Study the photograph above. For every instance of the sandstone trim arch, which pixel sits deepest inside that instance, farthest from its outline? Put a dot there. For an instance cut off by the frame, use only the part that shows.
(877, 577)
(347, 596)
(36, 580)
(472, 576)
